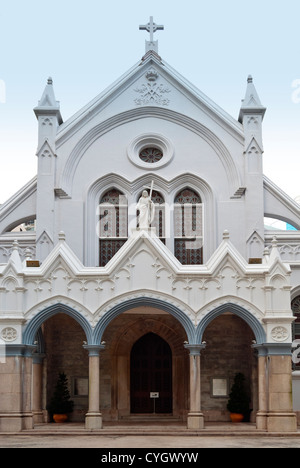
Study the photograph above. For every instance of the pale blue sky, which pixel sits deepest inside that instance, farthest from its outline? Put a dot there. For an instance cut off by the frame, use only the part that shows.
(85, 46)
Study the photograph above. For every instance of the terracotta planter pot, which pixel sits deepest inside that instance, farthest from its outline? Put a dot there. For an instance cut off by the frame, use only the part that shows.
(236, 417)
(60, 418)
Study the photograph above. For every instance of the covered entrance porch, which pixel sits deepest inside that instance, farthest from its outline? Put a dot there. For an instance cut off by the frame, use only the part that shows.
(123, 341)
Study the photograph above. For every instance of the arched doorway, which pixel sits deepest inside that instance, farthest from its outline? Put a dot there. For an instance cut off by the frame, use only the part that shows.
(121, 336)
(63, 337)
(151, 375)
(228, 352)
(59, 332)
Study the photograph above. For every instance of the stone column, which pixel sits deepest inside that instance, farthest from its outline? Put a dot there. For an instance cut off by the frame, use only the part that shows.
(275, 412)
(262, 413)
(16, 388)
(27, 413)
(93, 419)
(11, 388)
(195, 419)
(281, 417)
(37, 388)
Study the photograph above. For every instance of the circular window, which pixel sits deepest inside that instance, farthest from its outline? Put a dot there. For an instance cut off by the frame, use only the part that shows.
(151, 155)
(150, 151)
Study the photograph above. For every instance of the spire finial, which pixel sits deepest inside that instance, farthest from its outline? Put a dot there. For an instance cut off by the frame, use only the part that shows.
(151, 27)
(250, 79)
(50, 81)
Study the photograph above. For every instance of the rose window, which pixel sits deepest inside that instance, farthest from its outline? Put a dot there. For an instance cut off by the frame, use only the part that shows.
(151, 155)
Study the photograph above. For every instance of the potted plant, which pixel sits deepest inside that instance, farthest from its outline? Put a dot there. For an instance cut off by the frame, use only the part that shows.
(238, 403)
(60, 404)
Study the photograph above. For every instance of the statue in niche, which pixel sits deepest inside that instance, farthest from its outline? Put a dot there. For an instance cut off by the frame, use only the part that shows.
(146, 208)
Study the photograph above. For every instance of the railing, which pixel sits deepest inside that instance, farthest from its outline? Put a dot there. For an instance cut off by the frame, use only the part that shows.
(26, 241)
(288, 243)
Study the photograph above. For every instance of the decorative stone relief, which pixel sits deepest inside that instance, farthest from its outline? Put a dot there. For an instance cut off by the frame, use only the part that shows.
(252, 120)
(255, 246)
(279, 334)
(152, 92)
(6, 251)
(9, 334)
(288, 252)
(47, 122)
(46, 162)
(44, 246)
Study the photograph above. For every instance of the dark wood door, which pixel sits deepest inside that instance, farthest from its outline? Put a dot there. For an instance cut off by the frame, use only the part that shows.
(151, 371)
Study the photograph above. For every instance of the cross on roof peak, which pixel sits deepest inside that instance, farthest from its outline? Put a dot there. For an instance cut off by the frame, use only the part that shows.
(151, 27)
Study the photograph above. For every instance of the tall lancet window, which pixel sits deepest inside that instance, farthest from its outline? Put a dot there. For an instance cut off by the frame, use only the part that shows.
(296, 330)
(113, 225)
(188, 227)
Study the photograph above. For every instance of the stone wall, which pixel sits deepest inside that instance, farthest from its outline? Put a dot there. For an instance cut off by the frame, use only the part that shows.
(64, 338)
(228, 351)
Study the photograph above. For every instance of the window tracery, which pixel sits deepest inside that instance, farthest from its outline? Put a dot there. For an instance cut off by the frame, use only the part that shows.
(188, 229)
(295, 306)
(151, 155)
(113, 224)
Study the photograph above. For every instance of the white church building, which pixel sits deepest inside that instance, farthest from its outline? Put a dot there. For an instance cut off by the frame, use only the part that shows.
(150, 302)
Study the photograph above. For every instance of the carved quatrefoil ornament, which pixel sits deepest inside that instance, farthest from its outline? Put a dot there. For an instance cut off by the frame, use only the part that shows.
(279, 334)
(9, 334)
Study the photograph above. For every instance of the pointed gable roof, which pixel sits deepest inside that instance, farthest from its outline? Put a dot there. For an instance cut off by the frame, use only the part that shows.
(150, 59)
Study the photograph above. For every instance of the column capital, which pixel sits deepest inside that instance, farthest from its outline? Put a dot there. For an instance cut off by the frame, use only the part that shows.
(38, 358)
(94, 350)
(12, 350)
(273, 349)
(195, 349)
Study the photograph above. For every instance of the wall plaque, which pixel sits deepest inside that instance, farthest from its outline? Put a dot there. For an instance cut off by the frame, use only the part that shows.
(81, 386)
(219, 387)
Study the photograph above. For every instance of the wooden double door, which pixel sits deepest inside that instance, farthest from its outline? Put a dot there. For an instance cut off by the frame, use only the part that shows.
(151, 375)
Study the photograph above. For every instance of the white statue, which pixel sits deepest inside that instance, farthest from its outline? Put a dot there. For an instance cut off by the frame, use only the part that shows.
(146, 208)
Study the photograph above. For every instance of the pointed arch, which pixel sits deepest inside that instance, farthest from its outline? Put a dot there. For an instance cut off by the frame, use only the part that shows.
(248, 317)
(113, 224)
(148, 302)
(35, 323)
(188, 227)
(131, 190)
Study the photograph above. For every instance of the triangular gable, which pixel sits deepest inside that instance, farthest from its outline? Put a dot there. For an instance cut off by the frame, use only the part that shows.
(45, 148)
(254, 147)
(152, 64)
(142, 241)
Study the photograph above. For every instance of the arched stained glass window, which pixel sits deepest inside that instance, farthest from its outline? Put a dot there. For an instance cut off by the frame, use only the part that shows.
(295, 306)
(188, 227)
(113, 224)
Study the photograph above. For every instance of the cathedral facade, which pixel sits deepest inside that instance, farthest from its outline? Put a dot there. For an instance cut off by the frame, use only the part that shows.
(143, 269)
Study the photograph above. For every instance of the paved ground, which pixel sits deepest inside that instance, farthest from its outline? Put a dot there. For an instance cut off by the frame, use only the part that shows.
(147, 436)
(149, 442)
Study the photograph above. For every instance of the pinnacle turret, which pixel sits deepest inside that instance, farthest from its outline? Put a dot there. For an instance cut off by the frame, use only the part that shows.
(48, 105)
(251, 104)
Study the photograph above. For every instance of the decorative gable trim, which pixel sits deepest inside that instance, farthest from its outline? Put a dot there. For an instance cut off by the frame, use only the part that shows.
(150, 60)
(254, 147)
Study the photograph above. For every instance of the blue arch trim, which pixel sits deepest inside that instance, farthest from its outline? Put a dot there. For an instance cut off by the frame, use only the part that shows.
(144, 301)
(33, 326)
(244, 314)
